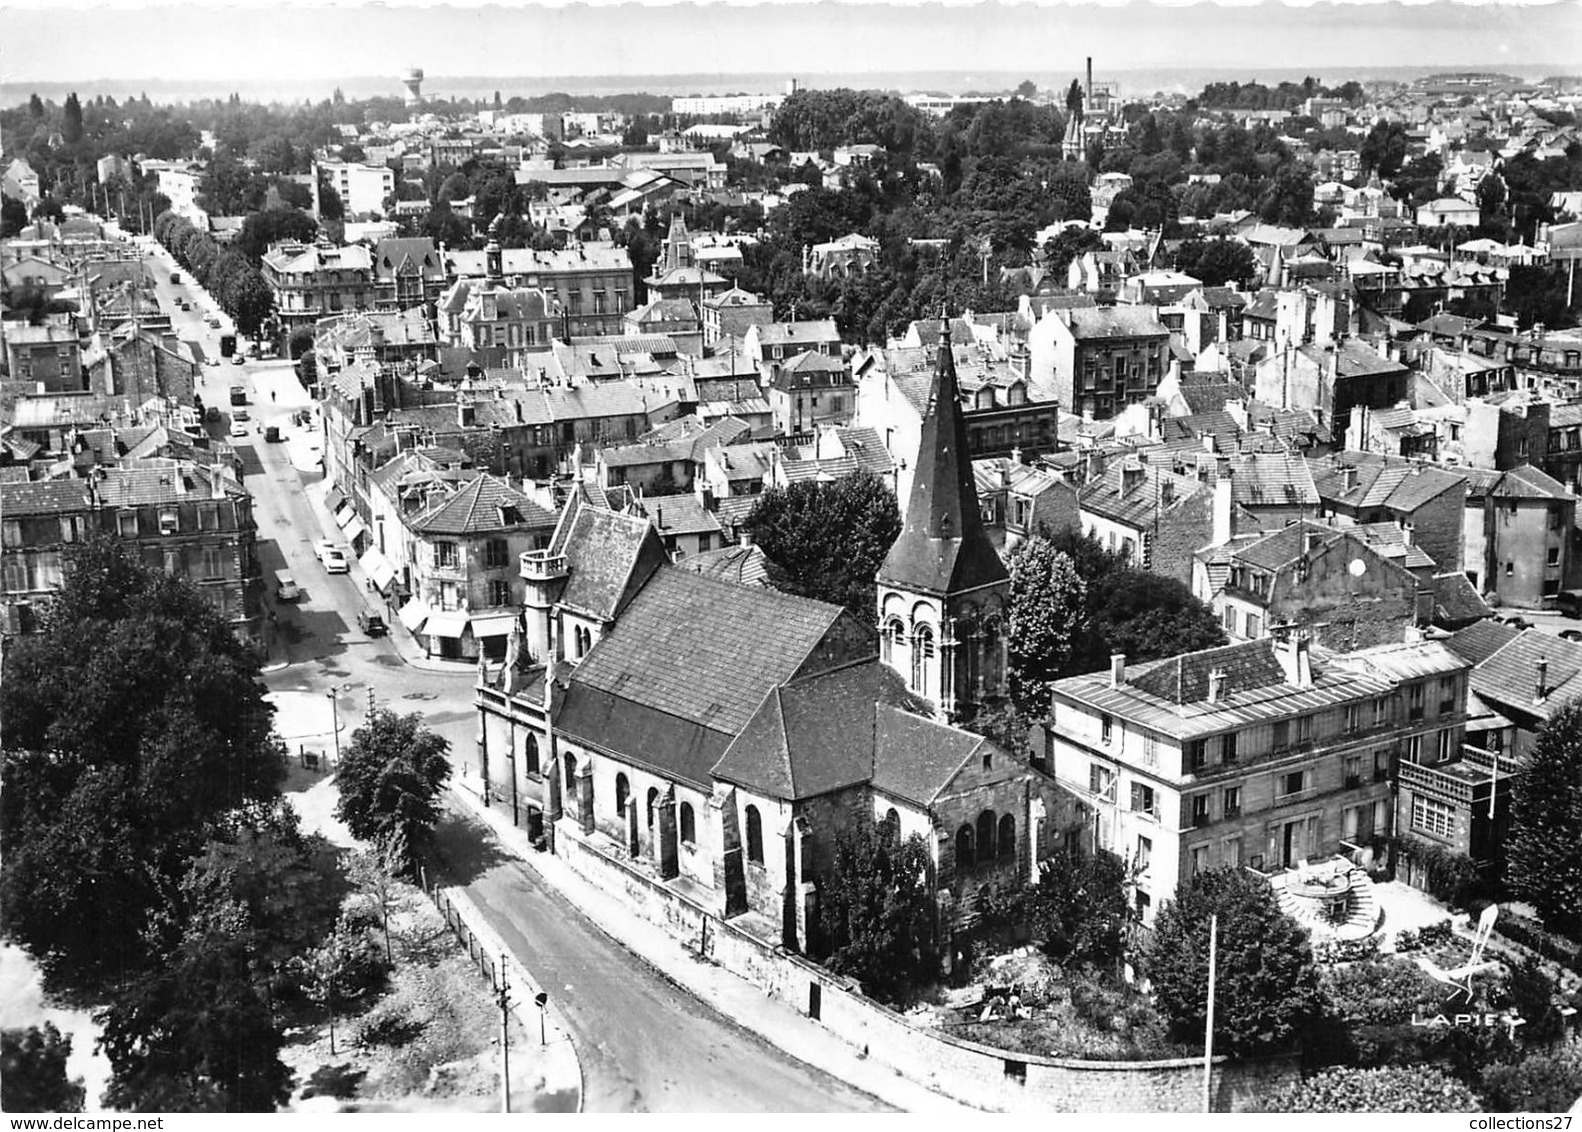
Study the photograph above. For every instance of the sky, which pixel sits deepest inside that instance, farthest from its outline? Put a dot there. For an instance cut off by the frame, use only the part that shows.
(252, 40)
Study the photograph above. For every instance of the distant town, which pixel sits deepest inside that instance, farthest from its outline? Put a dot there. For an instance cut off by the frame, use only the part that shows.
(1037, 600)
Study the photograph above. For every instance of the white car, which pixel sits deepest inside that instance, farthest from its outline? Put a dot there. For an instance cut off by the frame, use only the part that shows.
(238, 428)
(335, 562)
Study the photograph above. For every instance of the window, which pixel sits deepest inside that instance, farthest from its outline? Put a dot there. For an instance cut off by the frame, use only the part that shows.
(1227, 748)
(622, 790)
(1510, 570)
(1005, 845)
(1353, 770)
(212, 567)
(445, 554)
(530, 754)
(985, 836)
(890, 826)
(13, 532)
(1304, 728)
(1556, 518)
(1282, 734)
(1292, 784)
(1228, 618)
(1100, 779)
(1106, 727)
(1143, 799)
(571, 773)
(965, 858)
(1197, 754)
(1414, 702)
(689, 830)
(922, 653)
(1381, 711)
(892, 639)
(1200, 815)
(1444, 746)
(1447, 695)
(755, 836)
(495, 552)
(1145, 853)
(1433, 816)
(1199, 859)
(1254, 626)
(1230, 853)
(1150, 750)
(1414, 748)
(1353, 717)
(1232, 801)
(1553, 558)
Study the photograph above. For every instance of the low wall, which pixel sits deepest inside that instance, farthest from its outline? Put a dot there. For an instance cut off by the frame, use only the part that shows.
(975, 1074)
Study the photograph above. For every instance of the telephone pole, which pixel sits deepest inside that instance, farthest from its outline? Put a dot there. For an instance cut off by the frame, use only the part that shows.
(505, 1039)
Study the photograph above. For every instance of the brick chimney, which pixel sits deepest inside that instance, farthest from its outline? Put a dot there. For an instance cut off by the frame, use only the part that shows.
(1541, 684)
(1117, 669)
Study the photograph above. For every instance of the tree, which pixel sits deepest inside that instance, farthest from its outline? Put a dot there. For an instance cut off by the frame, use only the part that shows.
(1538, 294)
(261, 229)
(1079, 908)
(1047, 614)
(1266, 985)
(49, 209)
(33, 1071)
(1385, 149)
(1222, 262)
(196, 1034)
(1289, 198)
(331, 207)
(1543, 853)
(133, 722)
(376, 874)
(71, 120)
(1074, 97)
(1546, 1080)
(1027, 88)
(875, 911)
(35, 106)
(831, 538)
(13, 217)
(389, 780)
(1396, 1088)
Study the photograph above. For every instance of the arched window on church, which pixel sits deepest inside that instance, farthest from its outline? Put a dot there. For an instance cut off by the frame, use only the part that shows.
(964, 855)
(1007, 841)
(890, 827)
(689, 825)
(922, 657)
(571, 772)
(622, 789)
(531, 754)
(653, 807)
(974, 660)
(986, 835)
(892, 639)
(755, 836)
(993, 675)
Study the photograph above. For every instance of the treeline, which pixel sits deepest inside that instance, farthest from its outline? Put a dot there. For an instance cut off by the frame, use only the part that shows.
(1285, 96)
(226, 274)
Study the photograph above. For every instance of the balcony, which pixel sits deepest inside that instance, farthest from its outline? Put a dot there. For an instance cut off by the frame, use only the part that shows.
(542, 566)
(1455, 782)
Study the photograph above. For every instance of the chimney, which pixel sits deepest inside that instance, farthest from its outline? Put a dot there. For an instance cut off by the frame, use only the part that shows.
(1087, 91)
(1222, 508)
(1541, 689)
(1216, 686)
(744, 536)
(1117, 669)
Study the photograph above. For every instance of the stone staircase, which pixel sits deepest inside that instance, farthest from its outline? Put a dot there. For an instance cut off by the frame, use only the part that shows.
(1362, 908)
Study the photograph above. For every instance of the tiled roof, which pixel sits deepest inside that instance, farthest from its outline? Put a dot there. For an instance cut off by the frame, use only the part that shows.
(915, 759)
(1526, 482)
(815, 735)
(1265, 478)
(1456, 600)
(1210, 396)
(795, 333)
(1402, 485)
(741, 565)
(485, 504)
(1480, 641)
(43, 497)
(679, 514)
(1508, 678)
(1352, 359)
(864, 445)
(696, 649)
(608, 555)
(1131, 492)
(1184, 679)
(1115, 322)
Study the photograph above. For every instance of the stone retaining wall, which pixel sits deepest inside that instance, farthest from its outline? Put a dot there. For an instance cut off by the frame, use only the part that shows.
(967, 1071)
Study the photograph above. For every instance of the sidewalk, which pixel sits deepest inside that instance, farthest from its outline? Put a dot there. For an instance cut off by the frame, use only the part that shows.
(742, 1002)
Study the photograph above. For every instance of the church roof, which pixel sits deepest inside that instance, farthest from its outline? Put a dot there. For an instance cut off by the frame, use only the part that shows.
(943, 547)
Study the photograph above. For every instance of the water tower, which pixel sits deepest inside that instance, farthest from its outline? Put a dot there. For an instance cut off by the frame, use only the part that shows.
(413, 80)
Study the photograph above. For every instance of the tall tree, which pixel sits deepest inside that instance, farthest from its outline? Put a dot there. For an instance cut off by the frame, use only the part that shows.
(390, 778)
(1079, 909)
(33, 1071)
(71, 120)
(875, 911)
(1266, 986)
(1048, 614)
(35, 106)
(1543, 854)
(830, 537)
(133, 721)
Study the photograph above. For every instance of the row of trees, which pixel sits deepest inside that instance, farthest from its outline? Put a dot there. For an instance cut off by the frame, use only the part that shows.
(226, 274)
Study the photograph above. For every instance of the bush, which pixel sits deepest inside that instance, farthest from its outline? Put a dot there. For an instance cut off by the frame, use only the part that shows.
(1546, 1080)
(1407, 940)
(1530, 933)
(1449, 877)
(1391, 1089)
(1345, 950)
(1432, 935)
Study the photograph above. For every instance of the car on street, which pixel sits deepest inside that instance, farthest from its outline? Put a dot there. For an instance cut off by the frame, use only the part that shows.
(272, 434)
(371, 623)
(1571, 634)
(175, 278)
(237, 359)
(212, 413)
(240, 413)
(212, 322)
(335, 561)
(238, 428)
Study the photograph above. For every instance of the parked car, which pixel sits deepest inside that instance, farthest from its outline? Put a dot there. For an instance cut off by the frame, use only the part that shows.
(272, 434)
(335, 561)
(238, 428)
(239, 413)
(286, 586)
(320, 547)
(237, 359)
(175, 277)
(1568, 603)
(372, 623)
(1571, 634)
(213, 322)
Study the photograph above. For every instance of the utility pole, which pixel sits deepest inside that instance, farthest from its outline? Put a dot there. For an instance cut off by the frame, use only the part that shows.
(335, 718)
(505, 1039)
(1208, 1025)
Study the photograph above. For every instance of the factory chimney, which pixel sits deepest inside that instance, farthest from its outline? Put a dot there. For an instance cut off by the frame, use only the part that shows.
(1088, 91)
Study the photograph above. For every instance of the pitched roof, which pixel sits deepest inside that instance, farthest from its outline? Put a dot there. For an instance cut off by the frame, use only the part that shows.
(1115, 322)
(1526, 482)
(1456, 600)
(1184, 679)
(1261, 478)
(916, 758)
(1508, 678)
(814, 735)
(608, 556)
(485, 504)
(1210, 396)
(679, 514)
(1132, 490)
(742, 565)
(1480, 641)
(943, 547)
(43, 497)
(692, 650)
(1378, 481)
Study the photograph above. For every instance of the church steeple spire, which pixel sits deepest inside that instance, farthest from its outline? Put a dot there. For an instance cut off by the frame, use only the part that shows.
(943, 548)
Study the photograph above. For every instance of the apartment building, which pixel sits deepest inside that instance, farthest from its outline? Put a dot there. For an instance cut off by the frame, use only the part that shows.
(314, 281)
(361, 187)
(1264, 754)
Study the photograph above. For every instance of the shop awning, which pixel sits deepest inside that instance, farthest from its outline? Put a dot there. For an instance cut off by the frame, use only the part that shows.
(334, 500)
(343, 515)
(447, 624)
(493, 624)
(378, 568)
(413, 614)
(354, 528)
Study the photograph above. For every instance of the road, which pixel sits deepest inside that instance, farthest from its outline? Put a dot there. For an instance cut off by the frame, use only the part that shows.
(645, 1044)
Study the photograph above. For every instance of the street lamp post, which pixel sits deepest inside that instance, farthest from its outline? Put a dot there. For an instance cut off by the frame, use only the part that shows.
(335, 718)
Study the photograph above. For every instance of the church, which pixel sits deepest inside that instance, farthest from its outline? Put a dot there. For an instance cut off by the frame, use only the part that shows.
(720, 735)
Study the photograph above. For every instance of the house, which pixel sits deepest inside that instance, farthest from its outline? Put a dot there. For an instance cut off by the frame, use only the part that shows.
(313, 281)
(730, 314)
(769, 344)
(1098, 360)
(141, 365)
(1266, 754)
(361, 187)
(49, 356)
(1329, 380)
(685, 522)
(194, 521)
(1329, 583)
(851, 255)
(808, 390)
(591, 283)
(465, 580)
(1447, 212)
(1020, 500)
(1424, 500)
(1519, 535)
(504, 326)
(408, 272)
